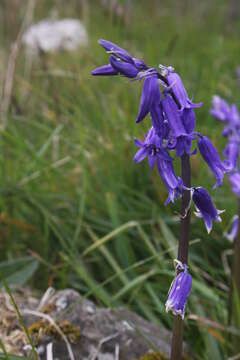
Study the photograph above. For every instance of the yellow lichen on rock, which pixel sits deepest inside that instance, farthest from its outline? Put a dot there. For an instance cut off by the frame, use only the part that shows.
(153, 356)
(40, 328)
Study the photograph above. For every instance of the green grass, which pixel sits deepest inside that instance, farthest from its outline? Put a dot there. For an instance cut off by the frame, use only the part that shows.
(71, 195)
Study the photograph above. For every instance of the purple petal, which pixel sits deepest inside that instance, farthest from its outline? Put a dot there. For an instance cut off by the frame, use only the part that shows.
(157, 119)
(121, 53)
(140, 155)
(220, 109)
(176, 84)
(208, 222)
(123, 68)
(218, 115)
(171, 181)
(179, 293)
(231, 152)
(151, 161)
(104, 70)
(189, 120)
(173, 116)
(210, 155)
(203, 202)
(234, 117)
(184, 145)
(205, 207)
(234, 230)
(138, 143)
(235, 182)
(140, 65)
(150, 96)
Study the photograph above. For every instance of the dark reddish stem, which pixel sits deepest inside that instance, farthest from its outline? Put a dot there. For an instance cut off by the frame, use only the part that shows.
(235, 296)
(177, 337)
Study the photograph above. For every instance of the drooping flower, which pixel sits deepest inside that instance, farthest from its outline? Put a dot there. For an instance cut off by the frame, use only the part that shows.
(124, 68)
(121, 62)
(179, 292)
(152, 148)
(210, 155)
(150, 96)
(205, 208)
(178, 89)
(140, 64)
(173, 183)
(189, 120)
(231, 235)
(234, 117)
(184, 143)
(173, 116)
(222, 111)
(104, 70)
(231, 152)
(220, 108)
(158, 120)
(116, 50)
(235, 182)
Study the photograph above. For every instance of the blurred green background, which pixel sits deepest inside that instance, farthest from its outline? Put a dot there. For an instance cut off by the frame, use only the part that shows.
(75, 209)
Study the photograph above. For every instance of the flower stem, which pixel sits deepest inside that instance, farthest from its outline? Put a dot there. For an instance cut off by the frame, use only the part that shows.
(177, 337)
(235, 311)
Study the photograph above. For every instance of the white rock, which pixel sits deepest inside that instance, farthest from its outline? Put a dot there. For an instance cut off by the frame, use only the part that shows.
(55, 35)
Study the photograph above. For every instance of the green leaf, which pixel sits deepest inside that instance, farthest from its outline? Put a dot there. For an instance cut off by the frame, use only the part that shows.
(13, 357)
(19, 271)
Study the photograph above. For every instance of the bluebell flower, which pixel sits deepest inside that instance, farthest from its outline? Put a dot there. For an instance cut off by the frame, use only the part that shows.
(151, 147)
(173, 183)
(158, 120)
(123, 68)
(231, 152)
(179, 293)
(222, 111)
(220, 108)
(173, 116)
(150, 96)
(189, 120)
(122, 54)
(121, 62)
(156, 154)
(235, 182)
(205, 208)
(140, 65)
(116, 50)
(234, 117)
(210, 155)
(104, 70)
(177, 87)
(184, 143)
(231, 235)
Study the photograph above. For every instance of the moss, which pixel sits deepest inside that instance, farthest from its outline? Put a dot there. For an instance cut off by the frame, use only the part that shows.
(41, 328)
(48, 308)
(153, 356)
(158, 356)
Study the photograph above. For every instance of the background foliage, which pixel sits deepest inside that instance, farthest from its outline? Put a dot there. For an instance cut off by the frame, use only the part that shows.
(75, 210)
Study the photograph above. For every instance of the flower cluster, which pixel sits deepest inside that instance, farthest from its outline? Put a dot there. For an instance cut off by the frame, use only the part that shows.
(172, 130)
(229, 115)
